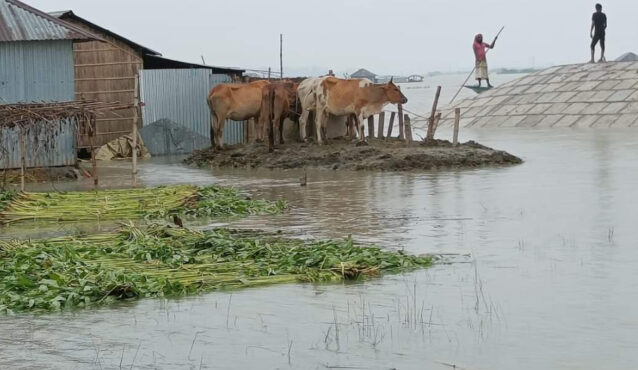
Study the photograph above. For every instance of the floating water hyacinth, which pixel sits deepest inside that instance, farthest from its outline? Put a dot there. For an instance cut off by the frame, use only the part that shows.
(128, 204)
(161, 261)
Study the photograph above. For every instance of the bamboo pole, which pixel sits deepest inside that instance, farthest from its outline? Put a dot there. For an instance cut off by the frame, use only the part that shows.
(436, 122)
(390, 124)
(281, 56)
(381, 125)
(457, 121)
(92, 128)
(473, 69)
(136, 103)
(408, 128)
(371, 127)
(430, 134)
(22, 158)
(401, 122)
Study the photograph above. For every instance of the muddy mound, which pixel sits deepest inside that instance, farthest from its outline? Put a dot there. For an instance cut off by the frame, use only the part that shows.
(378, 155)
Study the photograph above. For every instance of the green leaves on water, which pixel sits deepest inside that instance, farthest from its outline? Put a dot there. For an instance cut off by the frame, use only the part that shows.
(129, 204)
(66, 273)
(6, 197)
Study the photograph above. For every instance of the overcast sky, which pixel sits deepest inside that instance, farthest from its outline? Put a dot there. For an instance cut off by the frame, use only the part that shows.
(385, 36)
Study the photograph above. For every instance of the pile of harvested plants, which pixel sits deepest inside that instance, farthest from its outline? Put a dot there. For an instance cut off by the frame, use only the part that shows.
(128, 204)
(160, 261)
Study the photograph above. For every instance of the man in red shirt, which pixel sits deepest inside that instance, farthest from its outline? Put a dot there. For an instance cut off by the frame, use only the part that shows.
(481, 61)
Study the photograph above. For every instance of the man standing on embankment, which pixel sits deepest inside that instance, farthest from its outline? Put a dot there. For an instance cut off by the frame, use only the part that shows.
(597, 33)
(480, 48)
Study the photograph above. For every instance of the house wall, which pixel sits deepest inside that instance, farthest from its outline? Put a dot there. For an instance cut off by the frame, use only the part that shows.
(32, 71)
(37, 71)
(106, 72)
(175, 113)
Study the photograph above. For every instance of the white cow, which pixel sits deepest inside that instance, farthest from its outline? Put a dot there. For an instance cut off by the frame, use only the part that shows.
(307, 93)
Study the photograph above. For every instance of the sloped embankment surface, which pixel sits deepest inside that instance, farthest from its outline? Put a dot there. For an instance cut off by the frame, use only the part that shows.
(379, 155)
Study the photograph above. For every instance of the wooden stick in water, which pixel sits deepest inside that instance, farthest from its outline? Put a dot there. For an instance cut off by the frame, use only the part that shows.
(381, 125)
(457, 121)
(22, 158)
(371, 127)
(392, 115)
(92, 129)
(136, 116)
(408, 128)
(430, 134)
(401, 123)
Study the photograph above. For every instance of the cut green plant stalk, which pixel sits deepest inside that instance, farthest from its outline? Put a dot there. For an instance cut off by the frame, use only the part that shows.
(161, 261)
(129, 204)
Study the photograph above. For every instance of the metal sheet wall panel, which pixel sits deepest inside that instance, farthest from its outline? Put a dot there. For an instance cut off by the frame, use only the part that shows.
(36, 71)
(40, 152)
(179, 95)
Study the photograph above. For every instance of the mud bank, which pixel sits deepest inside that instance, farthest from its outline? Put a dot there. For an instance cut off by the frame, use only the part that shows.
(39, 175)
(378, 155)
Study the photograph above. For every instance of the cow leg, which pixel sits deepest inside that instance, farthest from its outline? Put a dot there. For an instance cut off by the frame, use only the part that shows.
(351, 130)
(259, 128)
(213, 123)
(320, 118)
(360, 125)
(303, 124)
(219, 132)
(281, 129)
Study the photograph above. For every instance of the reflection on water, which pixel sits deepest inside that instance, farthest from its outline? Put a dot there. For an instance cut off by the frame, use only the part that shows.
(550, 282)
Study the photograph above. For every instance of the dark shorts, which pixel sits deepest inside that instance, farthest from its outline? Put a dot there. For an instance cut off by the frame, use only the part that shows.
(598, 37)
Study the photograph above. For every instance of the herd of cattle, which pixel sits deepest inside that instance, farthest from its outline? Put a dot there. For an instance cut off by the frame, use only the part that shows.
(270, 103)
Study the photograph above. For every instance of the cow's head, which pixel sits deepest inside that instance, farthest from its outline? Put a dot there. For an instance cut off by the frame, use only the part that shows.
(394, 94)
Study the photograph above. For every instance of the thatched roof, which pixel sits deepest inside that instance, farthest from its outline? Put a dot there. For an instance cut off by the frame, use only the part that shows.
(26, 114)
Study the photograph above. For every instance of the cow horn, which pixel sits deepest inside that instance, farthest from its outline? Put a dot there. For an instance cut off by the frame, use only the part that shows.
(391, 79)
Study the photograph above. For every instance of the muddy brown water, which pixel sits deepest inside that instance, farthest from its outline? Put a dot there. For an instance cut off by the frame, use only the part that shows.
(550, 282)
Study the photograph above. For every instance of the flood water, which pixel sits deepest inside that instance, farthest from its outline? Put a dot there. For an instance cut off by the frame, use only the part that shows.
(541, 275)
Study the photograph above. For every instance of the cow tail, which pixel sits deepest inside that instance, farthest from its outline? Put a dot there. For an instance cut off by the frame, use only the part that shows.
(268, 105)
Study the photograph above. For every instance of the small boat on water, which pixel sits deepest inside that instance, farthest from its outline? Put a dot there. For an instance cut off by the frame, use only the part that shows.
(415, 78)
(478, 89)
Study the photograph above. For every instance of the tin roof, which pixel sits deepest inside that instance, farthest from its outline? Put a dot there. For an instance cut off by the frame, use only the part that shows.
(627, 57)
(157, 62)
(363, 73)
(20, 22)
(68, 15)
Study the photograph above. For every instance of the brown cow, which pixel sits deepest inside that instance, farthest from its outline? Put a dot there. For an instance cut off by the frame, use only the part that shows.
(238, 102)
(359, 97)
(279, 101)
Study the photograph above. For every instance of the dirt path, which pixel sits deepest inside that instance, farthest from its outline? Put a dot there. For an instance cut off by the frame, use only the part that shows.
(379, 155)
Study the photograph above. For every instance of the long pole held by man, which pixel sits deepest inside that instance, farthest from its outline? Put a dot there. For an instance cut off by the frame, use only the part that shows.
(476, 64)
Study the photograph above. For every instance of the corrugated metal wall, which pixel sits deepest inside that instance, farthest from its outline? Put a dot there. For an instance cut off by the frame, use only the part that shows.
(36, 71)
(40, 151)
(179, 95)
